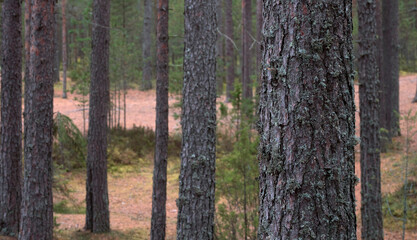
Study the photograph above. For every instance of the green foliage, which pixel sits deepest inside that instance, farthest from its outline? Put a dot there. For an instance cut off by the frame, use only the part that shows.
(64, 207)
(237, 172)
(131, 146)
(69, 145)
(392, 207)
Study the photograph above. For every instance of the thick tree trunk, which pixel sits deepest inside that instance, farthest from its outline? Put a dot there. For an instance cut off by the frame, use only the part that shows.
(196, 195)
(64, 49)
(307, 121)
(230, 51)
(11, 115)
(246, 53)
(146, 45)
(158, 223)
(97, 199)
(371, 211)
(36, 211)
(389, 99)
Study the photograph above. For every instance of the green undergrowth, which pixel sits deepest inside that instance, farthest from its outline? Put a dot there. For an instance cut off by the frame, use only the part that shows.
(66, 207)
(137, 234)
(393, 207)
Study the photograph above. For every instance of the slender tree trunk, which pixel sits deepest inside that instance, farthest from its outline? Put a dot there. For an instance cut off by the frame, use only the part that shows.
(36, 212)
(11, 115)
(371, 211)
(56, 46)
(390, 70)
(146, 45)
(246, 53)
(220, 52)
(307, 121)
(64, 49)
(97, 200)
(158, 223)
(230, 51)
(196, 196)
(259, 21)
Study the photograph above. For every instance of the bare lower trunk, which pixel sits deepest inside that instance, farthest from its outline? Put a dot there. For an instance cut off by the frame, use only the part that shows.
(371, 211)
(97, 199)
(11, 119)
(246, 53)
(230, 51)
(36, 212)
(64, 49)
(307, 121)
(146, 46)
(158, 223)
(389, 99)
(196, 195)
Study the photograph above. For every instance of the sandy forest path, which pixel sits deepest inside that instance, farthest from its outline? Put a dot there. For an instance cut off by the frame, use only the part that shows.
(130, 192)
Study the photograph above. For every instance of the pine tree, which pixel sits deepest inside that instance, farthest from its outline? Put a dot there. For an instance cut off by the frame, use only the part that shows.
(230, 51)
(371, 211)
(246, 52)
(146, 45)
(158, 223)
(97, 199)
(11, 115)
(196, 196)
(64, 49)
(36, 220)
(389, 99)
(307, 121)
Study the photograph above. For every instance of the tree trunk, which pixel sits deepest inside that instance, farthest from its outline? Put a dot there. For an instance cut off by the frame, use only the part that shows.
(390, 70)
(146, 46)
(246, 53)
(64, 49)
(259, 20)
(196, 196)
(307, 121)
(11, 115)
(97, 200)
(158, 223)
(230, 51)
(36, 212)
(371, 211)
(56, 46)
(220, 53)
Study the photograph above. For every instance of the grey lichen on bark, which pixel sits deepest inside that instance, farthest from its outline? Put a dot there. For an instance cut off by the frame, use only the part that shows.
(307, 121)
(196, 196)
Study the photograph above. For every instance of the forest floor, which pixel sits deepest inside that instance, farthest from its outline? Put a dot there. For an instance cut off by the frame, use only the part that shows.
(130, 189)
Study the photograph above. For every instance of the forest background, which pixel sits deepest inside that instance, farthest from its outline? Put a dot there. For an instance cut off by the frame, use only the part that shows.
(132, 123)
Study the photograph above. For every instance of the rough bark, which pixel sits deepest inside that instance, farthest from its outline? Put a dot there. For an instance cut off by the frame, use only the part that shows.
(246, 53)
(371, 211)
(36, 220)
(11, 115)
(158, 222)
(97, 199)
(196, 196)
(230, 51)
(307, 121)
(389, 98)
(146, 45)
(64, 49)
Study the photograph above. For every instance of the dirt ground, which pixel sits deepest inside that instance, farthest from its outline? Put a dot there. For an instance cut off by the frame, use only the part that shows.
(130, 194)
